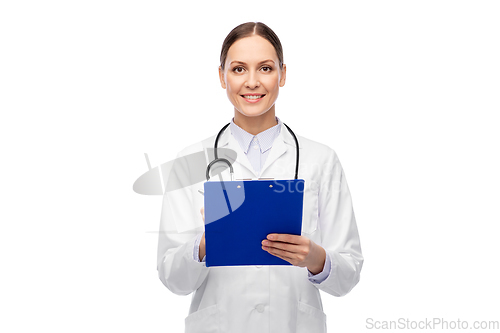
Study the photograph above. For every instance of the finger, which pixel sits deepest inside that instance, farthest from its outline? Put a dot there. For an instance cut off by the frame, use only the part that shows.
(290, 247)
(284, 258)
(287, 259)
(293, 251)
(285, 255)
(282, 246)
(286, 238)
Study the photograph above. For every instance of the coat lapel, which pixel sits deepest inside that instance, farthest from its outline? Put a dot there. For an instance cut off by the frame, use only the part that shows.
(283, 144)
(279, 148)
(228, 141)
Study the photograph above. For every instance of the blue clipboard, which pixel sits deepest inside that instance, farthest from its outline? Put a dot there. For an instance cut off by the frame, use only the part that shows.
(240, 214)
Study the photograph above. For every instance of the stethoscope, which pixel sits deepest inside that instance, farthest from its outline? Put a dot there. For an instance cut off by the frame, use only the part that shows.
(217, 159)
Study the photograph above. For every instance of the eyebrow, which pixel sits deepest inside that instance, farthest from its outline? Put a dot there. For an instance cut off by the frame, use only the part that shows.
(243, 63)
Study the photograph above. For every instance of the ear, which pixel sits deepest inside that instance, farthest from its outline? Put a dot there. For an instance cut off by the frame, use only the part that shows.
(283, 76)
(221, 78)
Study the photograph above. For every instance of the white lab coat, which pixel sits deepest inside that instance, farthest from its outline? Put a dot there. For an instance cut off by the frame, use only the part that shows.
(263, 299)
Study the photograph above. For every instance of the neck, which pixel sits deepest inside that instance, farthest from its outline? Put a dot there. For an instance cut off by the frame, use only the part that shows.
(255, 125)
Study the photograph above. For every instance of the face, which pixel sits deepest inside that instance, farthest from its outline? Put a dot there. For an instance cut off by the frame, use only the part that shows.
(252, 76)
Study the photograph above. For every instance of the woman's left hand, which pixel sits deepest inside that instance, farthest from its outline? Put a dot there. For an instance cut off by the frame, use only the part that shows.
(297, 250)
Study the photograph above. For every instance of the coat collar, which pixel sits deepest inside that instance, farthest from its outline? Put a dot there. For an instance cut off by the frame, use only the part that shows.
(284, 143)
(265, 138)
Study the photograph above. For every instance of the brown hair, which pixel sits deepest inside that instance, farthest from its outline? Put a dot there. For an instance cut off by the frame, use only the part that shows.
(246, 30)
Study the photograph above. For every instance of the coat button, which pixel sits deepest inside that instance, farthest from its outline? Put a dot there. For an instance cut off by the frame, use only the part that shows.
(260, 308)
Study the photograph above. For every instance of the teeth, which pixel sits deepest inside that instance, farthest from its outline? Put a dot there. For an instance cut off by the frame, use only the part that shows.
(253, 97)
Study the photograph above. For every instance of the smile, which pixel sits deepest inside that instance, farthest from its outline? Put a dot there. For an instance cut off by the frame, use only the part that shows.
(252, 98)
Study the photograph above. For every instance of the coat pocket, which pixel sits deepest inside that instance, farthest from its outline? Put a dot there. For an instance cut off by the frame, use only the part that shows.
(310, 319)
(310, 211)
(203, 321)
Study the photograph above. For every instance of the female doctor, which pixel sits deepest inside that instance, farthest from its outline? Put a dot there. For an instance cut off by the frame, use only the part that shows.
(327, 256)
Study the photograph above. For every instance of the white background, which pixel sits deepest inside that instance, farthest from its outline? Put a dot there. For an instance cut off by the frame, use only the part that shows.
(406, 92)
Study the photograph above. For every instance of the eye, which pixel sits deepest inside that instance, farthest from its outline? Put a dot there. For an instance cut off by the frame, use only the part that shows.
(267, 69)
(238, 69)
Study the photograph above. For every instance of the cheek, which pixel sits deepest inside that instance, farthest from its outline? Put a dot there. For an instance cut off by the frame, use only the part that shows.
(233, 85)
(271, 83)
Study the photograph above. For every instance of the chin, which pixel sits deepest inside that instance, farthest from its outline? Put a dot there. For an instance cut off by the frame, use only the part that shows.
(253, 113)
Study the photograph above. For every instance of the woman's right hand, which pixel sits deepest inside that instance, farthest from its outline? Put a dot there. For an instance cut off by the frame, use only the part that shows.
(201, 253)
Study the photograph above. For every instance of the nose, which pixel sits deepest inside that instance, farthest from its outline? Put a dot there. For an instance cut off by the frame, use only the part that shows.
(252, 81)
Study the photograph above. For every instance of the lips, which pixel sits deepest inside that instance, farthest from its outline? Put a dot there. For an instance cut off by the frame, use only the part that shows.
(253, 97)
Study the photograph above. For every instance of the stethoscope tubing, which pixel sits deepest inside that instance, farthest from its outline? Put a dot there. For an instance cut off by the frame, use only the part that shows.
(217, 159)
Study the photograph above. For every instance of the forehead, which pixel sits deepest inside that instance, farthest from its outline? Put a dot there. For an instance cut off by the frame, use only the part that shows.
(251, 49)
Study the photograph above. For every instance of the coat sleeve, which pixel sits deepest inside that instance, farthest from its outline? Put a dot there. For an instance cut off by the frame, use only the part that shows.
(339, 233)
(180, 224)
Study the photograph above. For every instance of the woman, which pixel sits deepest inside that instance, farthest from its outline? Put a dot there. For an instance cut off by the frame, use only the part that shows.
(327, 256)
